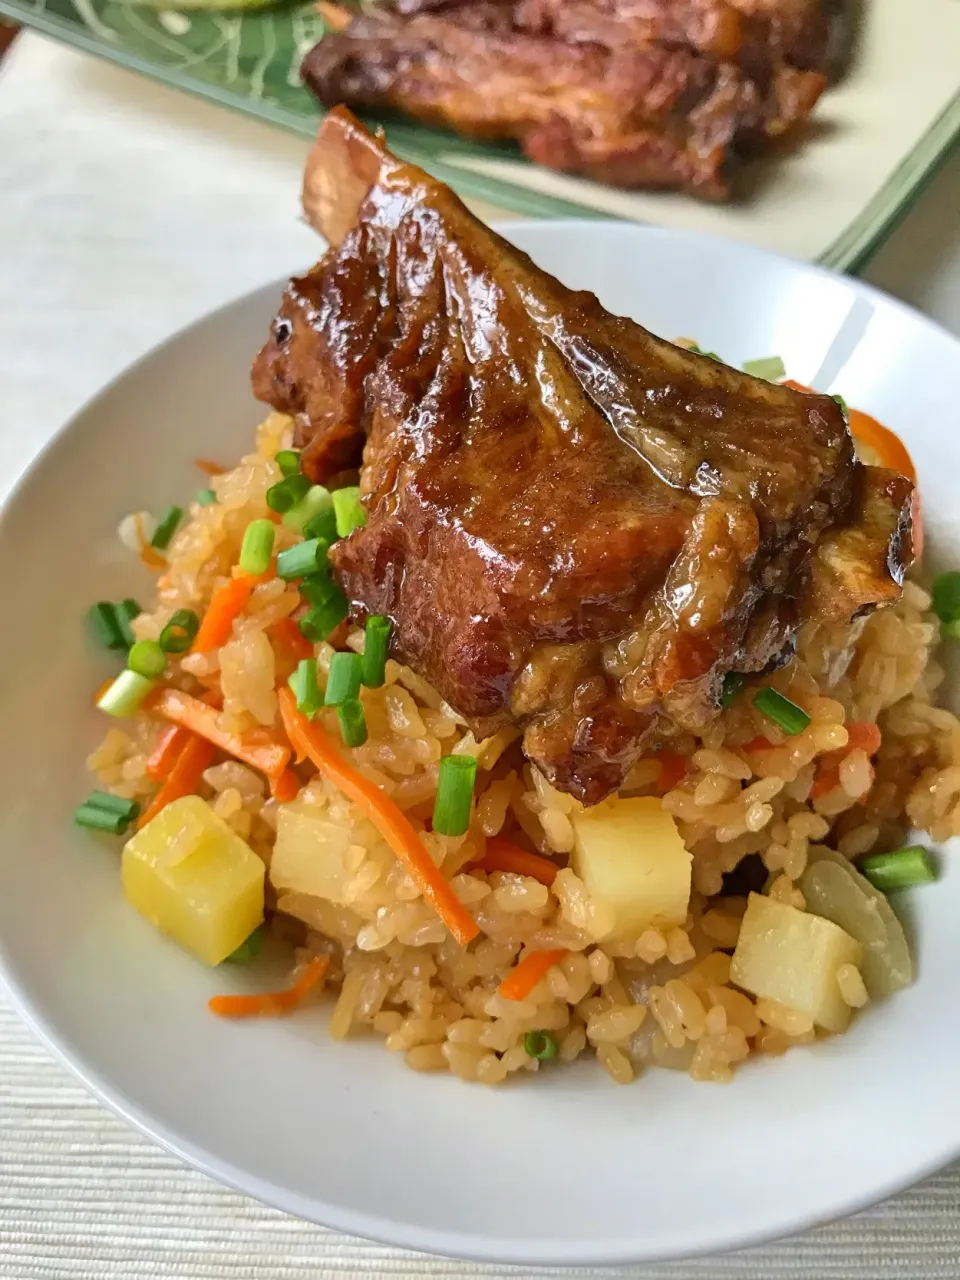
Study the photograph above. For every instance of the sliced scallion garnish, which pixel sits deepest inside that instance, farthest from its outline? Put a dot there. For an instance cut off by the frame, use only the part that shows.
(343, 678)
(540, 1044)
(353, 724)
(451, 811)
(147, 658)
(284, 496)
(166, 528)
(125, 613)
(946, 596)
(791, 718)
(349, 513)
(180, 632)
(249, 949)
(257, 547)
(315, 505)
(842, 403)
(301, 560)
(105, 625)
(306, 688)
(376, 642)
(205, 497)
(126, 694)
(769, 367)
(288, 460)
(900, 869)
(319, 587)
(102, 811)
(324, 618)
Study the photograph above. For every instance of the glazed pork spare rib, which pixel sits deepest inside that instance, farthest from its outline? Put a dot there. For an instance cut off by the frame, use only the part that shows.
(609, 107)
(576, 528)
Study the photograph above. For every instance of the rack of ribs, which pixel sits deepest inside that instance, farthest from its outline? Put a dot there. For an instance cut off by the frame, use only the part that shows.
(627, 113)
(576, 528)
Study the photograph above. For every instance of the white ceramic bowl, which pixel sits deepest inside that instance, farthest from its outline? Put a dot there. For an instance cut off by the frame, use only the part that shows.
(566, 1168)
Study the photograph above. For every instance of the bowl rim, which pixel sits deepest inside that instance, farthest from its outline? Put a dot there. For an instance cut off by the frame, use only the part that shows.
(375, 1227)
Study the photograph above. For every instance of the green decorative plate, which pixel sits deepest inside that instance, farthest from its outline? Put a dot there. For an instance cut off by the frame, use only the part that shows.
(876, 139)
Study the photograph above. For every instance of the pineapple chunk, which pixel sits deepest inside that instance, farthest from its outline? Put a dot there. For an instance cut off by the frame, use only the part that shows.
(193, 877)
(309, 855)
(793, 956)
(631, 858)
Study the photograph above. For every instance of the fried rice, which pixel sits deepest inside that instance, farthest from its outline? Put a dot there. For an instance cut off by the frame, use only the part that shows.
(750, 802)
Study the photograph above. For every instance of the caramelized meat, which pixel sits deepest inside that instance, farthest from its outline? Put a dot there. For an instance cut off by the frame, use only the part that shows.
(576, 527)
(625, 113)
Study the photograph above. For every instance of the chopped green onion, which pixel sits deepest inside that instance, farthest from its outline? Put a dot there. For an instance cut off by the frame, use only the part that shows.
(147, 658)
(348, 511)
(319, 587)
(353, 724)
(179, 633)
(323, 526)
(769, 367)
(540, 1044)
(285, 495)
(324, 618)
(126, 694)
(791, 718)
(257, 547)
(950, 630)
(343, 679)
(733, 683)
(306, 688)
(946, 596)
(166, 528)
(316, 504)
(247, 950)
(451, 812)
(901, 869)
(102, 811)
(375, 645)
(843, 405)
(116, 804)
(103, 620)
(205, 497)
(303, 559)
(712, 355)
(125, 613)
(288, 460)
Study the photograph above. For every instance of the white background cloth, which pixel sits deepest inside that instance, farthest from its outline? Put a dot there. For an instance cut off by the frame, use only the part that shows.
(127, 210)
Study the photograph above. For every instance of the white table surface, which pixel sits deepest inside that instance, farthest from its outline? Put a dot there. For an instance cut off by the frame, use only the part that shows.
(126, 210)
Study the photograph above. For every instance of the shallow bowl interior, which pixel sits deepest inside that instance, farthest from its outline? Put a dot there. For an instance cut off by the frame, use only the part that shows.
(566, 1168)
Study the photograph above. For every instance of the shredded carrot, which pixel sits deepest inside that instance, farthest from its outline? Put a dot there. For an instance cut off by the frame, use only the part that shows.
(285, 786)
(272, 1003)
(757, 744)
(827, 780)
(289, 636)
(148, 555)
(257, 748)
(888, 446)
(226, 604)
(863, 737)
(673, 769)
(309, 740)
(798, 386)
(184, 778)
(210, 468)
(169, 744)
(503, 855)
(524, 976)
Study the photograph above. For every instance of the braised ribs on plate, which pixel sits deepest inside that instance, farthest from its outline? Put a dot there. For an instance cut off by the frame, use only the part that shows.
(577, 85)
(576, 527)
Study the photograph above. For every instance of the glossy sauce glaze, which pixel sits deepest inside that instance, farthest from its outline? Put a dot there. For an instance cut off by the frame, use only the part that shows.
(576, 527)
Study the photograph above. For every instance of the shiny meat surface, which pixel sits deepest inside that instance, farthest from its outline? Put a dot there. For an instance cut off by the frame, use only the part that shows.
(576, 527)
(618, 110)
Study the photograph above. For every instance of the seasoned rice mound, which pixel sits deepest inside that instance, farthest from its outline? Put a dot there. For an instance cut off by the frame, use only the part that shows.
(661, 998)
